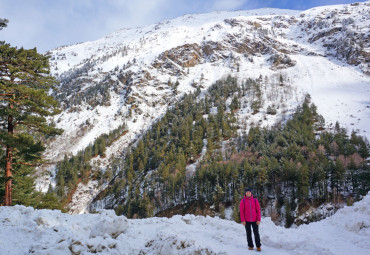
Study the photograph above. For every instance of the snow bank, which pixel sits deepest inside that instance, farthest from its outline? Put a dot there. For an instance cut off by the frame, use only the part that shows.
(25, 230)
(346, 232)
(111, 225)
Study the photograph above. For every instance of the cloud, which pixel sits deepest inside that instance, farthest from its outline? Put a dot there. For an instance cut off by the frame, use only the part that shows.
(227, 5)
(21, 27)
(134, 13)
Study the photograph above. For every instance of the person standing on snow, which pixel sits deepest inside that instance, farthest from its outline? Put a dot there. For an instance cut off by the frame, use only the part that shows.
(250, 216)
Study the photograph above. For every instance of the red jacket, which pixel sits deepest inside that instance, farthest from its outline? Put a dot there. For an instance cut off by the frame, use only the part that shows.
(250, 210)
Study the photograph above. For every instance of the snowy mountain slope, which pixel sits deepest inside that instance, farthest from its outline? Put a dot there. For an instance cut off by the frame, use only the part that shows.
(170, 35)
(210, 44)
(133, 76)
(340, 93)
(25, 230)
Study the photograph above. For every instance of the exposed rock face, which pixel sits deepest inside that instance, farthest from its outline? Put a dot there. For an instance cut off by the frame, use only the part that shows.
(187, 55)
(340, 33)
(280, 61)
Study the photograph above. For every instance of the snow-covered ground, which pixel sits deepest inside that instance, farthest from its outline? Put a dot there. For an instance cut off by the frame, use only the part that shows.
(28, 231)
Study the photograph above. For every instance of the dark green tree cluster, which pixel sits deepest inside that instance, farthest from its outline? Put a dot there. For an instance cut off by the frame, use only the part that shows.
(73, 90)
(72, 95)
(293, 161)
(171, 144)
(290, 161)
(77, 168)
(24, 192)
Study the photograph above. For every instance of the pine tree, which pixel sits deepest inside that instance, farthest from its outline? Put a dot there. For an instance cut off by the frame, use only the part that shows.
(303, 182)
(235, 104)
(101, 147)
(338, 172)
(61, 189)
(289, 219)
(130, 167)
(24, 187)
(25, 104)
(236, 209)
(3, 23)
(95, 149)
(25, 194)
(218, 197)
(87, 154)
(281, 80)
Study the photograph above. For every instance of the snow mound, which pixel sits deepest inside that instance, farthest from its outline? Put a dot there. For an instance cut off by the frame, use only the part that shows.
(346, 232)
(112, 227)
(359, 220)
(28, 231)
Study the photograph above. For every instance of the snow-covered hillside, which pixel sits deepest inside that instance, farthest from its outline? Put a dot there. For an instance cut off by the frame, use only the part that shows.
(130, 76)
(28, 231)
(141, 61)
(213, 45)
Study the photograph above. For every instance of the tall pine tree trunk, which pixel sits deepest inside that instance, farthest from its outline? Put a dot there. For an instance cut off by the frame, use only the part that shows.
(8, 168)
(8, 177)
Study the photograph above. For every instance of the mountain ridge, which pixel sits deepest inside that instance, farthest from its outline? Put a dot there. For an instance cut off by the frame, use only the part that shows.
(131, 80)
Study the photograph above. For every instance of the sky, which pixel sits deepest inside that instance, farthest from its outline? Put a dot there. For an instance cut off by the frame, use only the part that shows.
(46, 24)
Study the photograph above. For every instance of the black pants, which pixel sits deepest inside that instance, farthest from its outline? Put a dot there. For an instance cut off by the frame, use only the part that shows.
(255, 232)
